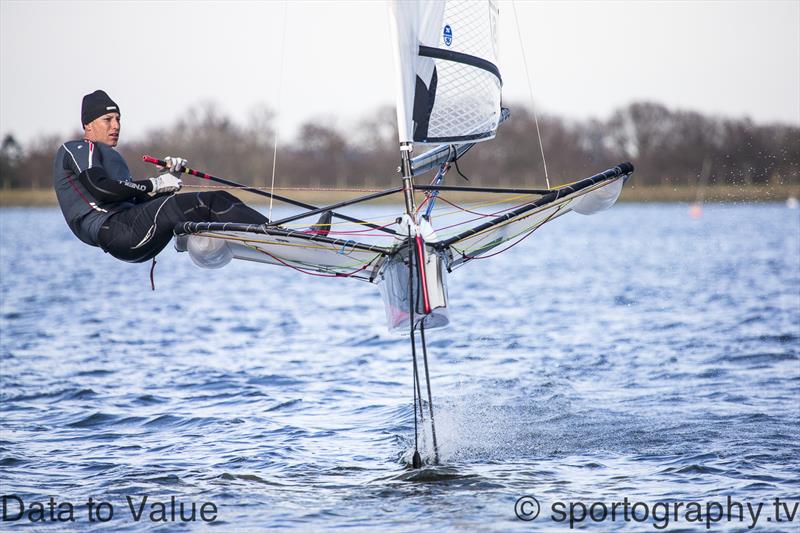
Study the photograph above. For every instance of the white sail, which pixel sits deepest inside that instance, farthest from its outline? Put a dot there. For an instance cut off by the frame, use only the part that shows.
(449, 85)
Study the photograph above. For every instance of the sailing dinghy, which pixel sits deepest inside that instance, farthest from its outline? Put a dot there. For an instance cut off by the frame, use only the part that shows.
(449, 96)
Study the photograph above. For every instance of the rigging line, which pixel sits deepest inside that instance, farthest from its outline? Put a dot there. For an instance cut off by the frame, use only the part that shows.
(265, 188)
(430, 197)
(474, 205)
(311, 242)
(357, 233)
(479, 215)
(537, 226)
(502, 200)
(530, 92)
(278, 99)
(526, 210)
(459, 170)
(559, 204)
(374, 224)
(482, 215)
(422, 204)
(361, 231)
(463, 222)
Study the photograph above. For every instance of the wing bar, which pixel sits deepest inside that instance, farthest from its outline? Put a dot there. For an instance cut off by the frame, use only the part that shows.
(623, 169)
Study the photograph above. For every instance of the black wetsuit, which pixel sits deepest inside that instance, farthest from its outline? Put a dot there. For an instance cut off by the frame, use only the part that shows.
(104, 207)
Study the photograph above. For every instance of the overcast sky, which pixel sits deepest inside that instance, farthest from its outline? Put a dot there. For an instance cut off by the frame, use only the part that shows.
(587, 58)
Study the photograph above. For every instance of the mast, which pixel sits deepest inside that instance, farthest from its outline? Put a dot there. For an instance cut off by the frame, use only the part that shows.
(404, 21)
(406, 174)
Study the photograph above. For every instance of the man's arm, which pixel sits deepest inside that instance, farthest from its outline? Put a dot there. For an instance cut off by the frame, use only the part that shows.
(84, 161)
(107, 189)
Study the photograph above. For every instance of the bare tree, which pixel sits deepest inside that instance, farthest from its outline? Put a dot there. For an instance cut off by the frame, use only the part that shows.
(669, 147)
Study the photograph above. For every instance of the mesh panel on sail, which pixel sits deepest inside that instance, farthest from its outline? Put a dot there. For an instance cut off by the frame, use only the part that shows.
(449, 86)
(477, 26)
(467, 101)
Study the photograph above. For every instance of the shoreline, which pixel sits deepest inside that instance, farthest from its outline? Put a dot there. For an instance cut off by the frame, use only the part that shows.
(631, 193)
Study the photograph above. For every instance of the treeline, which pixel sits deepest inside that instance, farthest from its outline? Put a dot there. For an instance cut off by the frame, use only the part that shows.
(668, 147)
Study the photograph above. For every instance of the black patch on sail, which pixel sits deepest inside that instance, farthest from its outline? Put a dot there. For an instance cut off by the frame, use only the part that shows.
(423, 107)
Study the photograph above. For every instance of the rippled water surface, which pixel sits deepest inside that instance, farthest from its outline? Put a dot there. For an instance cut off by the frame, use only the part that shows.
(637, 353)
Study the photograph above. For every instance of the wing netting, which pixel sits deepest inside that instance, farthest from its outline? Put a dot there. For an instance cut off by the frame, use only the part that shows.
(348, 249)
(453, 219)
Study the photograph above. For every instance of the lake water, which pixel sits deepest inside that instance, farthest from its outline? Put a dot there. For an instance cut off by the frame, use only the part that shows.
(636, 356)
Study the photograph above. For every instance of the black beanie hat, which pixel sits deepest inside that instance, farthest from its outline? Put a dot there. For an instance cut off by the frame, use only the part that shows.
(96, 105)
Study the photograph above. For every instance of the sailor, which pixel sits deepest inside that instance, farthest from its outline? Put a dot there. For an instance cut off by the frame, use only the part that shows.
(133, 220)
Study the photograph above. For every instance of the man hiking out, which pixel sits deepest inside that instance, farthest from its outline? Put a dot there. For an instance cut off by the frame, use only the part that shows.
(133, 220)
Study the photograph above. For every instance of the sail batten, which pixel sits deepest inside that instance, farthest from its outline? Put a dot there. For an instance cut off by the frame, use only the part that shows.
(458, 57)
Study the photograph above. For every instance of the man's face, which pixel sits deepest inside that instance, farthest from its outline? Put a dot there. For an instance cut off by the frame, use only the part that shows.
(103, 129)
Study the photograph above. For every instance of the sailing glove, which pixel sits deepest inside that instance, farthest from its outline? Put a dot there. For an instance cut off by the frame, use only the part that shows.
(175, 165)
(165, 182)
(169, 180)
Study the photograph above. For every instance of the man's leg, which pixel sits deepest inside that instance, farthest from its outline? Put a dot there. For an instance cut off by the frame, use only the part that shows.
(141, 232)
(212, 206)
